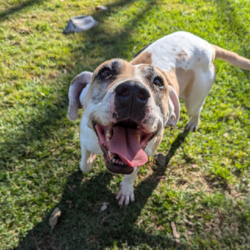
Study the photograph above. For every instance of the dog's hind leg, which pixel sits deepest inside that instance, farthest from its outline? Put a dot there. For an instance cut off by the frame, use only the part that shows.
(87, 160)
(196, 98)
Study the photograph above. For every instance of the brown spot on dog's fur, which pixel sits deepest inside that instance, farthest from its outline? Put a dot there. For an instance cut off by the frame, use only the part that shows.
(178, 78)
(185, 78)
(143, 57)
(212, 66)
(182, 56)
(199, 59)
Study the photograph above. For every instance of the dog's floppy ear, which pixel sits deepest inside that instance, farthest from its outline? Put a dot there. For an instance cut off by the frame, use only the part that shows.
(79, 86)
(173, 107)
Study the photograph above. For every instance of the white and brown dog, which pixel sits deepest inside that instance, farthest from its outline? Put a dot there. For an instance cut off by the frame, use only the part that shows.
(128, 104)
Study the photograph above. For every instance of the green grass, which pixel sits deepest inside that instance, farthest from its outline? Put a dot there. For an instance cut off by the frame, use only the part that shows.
(205, 187)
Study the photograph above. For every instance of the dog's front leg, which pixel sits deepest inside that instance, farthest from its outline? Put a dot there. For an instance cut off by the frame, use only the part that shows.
(126, 193)
(87, 160)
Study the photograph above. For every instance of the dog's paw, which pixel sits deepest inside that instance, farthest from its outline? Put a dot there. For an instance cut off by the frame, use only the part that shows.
(191, 127)
(193, 123)
(85, 167)
(126, 194)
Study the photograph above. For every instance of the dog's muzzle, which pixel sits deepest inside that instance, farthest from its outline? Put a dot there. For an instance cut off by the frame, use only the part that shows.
(124, 141)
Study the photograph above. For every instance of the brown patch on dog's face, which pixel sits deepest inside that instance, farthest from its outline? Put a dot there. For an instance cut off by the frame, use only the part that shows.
(150, 74)
(144, 57)
(172, 79)
(157, 142)
(118, 68)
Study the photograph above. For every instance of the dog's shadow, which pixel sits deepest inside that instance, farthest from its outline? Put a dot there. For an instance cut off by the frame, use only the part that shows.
(91, 228)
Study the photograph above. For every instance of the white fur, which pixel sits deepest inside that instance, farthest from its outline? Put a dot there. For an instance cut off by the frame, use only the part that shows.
(165, 56)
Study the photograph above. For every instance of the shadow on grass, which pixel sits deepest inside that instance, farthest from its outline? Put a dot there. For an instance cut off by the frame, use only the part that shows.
(176, 144)
(83, 226)
(6, 13)
(50, 115)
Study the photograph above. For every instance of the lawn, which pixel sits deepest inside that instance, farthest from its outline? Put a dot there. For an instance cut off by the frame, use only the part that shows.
(204, 190)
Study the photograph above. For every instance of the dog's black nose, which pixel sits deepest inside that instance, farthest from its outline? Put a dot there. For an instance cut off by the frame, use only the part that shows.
(141, 94)
(132, 94)
(124, 93)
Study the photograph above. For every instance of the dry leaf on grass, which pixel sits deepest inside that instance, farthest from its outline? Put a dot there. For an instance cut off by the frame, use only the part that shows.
(54, 217)
(175, 233)
(139, 222)
(189, 222)
(100, 7)
(104, 206)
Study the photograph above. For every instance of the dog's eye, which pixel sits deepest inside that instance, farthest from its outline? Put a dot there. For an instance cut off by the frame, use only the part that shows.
(105, 73)
(158, 82)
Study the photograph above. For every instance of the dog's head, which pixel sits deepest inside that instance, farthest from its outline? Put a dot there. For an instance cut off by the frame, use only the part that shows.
(127, 106)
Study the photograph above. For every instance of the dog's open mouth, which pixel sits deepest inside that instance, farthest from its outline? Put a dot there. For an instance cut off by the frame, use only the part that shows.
(123, 145)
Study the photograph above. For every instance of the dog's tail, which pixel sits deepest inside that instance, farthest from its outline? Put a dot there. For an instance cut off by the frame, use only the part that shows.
(231, 57)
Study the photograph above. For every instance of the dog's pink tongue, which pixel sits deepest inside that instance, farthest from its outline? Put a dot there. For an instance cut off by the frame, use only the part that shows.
(124, 143)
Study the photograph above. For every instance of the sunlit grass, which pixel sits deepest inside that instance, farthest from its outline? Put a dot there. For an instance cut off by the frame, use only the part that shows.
(205, 187)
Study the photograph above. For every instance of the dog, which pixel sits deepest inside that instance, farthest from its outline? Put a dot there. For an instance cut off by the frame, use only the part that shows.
(128, 104)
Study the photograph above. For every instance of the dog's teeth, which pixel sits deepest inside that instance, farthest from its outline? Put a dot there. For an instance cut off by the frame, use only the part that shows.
(109, 134)
(121, 163)
(138, 133)
(111, 155)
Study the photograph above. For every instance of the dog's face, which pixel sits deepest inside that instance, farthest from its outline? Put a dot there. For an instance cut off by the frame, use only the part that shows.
(127, 106)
